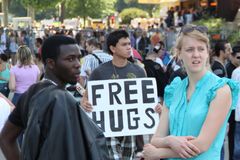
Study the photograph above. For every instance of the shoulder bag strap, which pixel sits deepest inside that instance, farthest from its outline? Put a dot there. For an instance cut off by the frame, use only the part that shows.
(99, 61)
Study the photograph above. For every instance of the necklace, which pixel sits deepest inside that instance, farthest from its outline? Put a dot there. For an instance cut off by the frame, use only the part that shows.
(115, 75)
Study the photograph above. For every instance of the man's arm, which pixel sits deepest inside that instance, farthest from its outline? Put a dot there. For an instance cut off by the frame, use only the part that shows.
(8, 141)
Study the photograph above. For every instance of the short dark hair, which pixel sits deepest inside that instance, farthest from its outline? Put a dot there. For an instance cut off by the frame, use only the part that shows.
(219, 46)
(114, 37)
(51, 46)
(4, 57)
(39, 40)
(235, 50)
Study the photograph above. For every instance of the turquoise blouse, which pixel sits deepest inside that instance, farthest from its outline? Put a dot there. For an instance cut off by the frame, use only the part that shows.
(187, 118)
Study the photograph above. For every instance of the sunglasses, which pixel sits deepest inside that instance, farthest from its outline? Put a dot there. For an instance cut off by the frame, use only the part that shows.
(191, 28)
(238, 57)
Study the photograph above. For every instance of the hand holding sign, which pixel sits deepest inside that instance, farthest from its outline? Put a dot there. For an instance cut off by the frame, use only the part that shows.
(85, 104)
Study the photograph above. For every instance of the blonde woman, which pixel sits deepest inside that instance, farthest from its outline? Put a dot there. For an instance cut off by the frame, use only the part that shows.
(23, 74)
(196, 109)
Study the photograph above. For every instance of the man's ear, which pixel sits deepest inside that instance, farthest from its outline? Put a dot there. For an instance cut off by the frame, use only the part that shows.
(50, 63)
(112, 49)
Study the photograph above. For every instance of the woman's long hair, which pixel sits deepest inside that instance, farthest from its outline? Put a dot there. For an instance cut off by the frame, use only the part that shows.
(24, 56)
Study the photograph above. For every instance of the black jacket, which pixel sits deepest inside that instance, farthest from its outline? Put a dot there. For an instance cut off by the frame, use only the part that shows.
(155, 70)
(59, 129)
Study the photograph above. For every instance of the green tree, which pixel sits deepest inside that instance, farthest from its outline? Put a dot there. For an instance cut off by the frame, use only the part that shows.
(5, 12)
(40, 4)
(91, 8)
(17, 9)
(34, 5)
(122, 4)
(130, 13)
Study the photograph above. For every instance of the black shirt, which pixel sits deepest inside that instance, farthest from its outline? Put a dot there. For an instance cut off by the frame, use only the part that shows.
(230, 67)
(19, 116)
(218, 69)
(155, 70)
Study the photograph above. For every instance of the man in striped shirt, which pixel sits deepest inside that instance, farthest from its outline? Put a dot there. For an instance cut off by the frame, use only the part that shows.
(95, 57)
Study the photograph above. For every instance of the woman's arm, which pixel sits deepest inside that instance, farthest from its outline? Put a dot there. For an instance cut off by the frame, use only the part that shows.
(153, 153)
(218, 110)
(12, 82)
(172, 145)
(158, 138)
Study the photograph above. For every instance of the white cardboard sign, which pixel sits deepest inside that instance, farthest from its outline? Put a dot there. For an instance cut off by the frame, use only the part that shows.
(124, 107)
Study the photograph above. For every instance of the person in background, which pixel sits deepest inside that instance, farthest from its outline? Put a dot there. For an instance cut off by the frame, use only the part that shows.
(163, 56)
(23, 74)
(222, 51)
(175, 69)
(234, 62)
(95, 57)
(38, 45)
(13, 45)
(153, 69)
(202, 99)
(4, 75)
(24, 38)
(236, 135)
(142, 43)
(3, 41)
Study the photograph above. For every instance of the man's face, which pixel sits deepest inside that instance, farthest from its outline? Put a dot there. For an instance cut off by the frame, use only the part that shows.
(68, 63)
(122, 49)
(37, 44)
(228, 50)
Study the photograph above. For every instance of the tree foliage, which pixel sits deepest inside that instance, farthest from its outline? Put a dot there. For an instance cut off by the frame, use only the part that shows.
(122, 4)
(130, 13)
(17, 9)
(91, 8)
(39, 4)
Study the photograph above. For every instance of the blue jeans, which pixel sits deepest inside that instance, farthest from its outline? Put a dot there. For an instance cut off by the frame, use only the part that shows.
(236, 153)
(15, 98)
(4, 89)
(222, 152)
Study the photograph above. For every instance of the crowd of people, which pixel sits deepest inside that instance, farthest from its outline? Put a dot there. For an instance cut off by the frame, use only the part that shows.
(197, 83)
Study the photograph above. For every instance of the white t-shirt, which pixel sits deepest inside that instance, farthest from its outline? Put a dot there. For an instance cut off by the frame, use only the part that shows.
(5, 110)
(236, 77)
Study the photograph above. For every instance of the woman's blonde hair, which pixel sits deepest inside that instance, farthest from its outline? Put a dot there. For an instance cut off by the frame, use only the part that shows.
(24, 56)
(193, 34)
